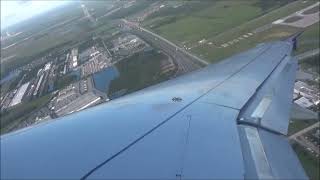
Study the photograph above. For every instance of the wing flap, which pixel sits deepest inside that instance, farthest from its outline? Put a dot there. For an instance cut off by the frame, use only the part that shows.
(238, 89)
(277, 90)
(268, 155)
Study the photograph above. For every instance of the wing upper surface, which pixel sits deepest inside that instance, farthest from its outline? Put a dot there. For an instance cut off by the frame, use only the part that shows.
(147, 130)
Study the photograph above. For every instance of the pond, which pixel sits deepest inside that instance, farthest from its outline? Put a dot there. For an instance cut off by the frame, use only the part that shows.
(132, 74)
(103, 78)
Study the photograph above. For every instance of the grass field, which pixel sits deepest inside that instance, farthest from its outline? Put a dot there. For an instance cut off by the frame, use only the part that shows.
(297, 125)
(309, 39)
(18, 113)
(276, 32)
(309, 162)
(213, 54)
(138, 72)
(209, 21)
(225, 21)
(127, 12)
(311, 63)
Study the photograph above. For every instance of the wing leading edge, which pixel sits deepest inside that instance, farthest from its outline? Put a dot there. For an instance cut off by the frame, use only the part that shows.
(228, 125)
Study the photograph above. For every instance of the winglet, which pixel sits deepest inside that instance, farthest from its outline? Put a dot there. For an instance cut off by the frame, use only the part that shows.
(293, 39)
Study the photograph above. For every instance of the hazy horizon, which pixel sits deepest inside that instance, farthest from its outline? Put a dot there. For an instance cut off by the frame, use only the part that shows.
(13, 12)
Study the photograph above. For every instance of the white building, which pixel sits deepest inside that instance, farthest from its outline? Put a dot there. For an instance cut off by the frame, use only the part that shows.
(18, 96)
(295, 96)
(74, 54)
(47, 66)
(306, 91)
(303, 102)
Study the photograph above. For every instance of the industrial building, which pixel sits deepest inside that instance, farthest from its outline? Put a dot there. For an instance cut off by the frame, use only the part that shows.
(74, 58)
(78, 104)
(309, 94)
(127, 44)
(19, 95)
(304, 102)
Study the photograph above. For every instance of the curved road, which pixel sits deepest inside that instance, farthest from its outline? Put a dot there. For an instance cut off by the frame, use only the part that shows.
(185, 61)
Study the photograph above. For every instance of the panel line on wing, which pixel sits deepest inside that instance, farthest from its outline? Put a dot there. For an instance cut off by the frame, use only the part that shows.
(140, 138)
(184, 151)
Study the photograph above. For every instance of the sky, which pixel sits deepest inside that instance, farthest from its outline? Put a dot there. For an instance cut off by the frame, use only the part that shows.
(13, 12)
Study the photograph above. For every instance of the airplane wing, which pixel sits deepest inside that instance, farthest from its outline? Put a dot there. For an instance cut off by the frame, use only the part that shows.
(226, 121)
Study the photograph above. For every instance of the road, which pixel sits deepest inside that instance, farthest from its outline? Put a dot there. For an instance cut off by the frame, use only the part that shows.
(185, 61)
(308, 54)
(182, 61)
(299, 133)
(304, 142)
(175, 46)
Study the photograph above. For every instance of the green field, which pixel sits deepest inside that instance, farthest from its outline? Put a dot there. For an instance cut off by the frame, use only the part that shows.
(138, 72)
(213, 54)
(309, 162)
(135, 8)
(275, 32)
(297, 125)
(309, 39)
(225, 21)
(311, 63)
(213, 19)
(15, 115)
(66, 80)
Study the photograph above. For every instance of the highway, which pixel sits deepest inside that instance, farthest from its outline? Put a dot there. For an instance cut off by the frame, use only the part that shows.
(175, 46)
(308, 54)
(185, 61)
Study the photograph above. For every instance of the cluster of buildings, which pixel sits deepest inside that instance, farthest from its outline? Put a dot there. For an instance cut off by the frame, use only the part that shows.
(6, 100)
(41, 80)
(73, 98)
(31, 89)
(39, 85)
(88, 53)
(83, 62)
(73, 58)
(305, 95)
(126, 45)
(96, 60)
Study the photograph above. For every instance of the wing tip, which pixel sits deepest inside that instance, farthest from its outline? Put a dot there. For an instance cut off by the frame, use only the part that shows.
(293, 39)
